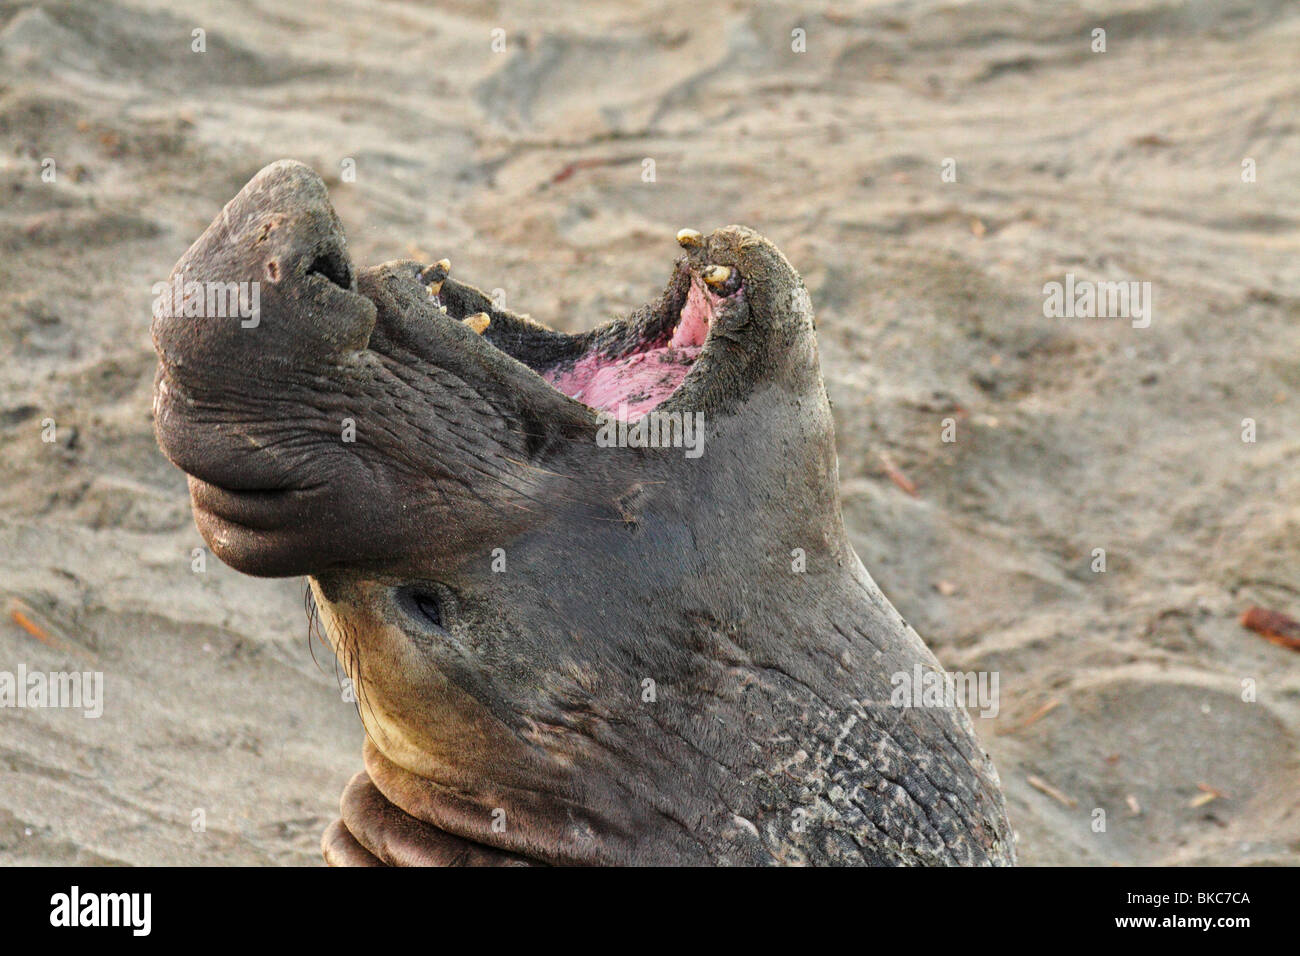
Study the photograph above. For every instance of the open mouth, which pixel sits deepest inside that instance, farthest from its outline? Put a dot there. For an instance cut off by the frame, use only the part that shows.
(625, 368)
(630, 384)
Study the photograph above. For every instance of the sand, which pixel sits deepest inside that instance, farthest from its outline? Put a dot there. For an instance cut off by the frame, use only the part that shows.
(1121, 691)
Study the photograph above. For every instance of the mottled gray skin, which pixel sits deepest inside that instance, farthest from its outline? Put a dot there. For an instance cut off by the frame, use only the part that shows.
(770, 738)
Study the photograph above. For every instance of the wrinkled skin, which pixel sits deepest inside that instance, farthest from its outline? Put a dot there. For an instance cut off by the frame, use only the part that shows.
(509, 712)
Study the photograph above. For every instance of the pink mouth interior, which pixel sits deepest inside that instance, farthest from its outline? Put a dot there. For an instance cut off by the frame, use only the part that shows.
(634, 384)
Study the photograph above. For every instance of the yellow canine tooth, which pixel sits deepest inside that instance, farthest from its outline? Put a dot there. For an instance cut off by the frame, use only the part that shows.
(479, 322)
(689, 238)
(716, 275)
(435, 274)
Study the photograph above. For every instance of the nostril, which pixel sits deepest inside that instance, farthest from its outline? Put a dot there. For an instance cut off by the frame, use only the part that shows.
(333, 266)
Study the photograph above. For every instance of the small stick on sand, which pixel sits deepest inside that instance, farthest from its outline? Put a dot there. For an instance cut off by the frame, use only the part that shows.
(1041, 712)
(1033, 718)
(897, 476)
(1274, 626)
(1207, 794)
(1041, 785)
(589, 163)
(22, 614)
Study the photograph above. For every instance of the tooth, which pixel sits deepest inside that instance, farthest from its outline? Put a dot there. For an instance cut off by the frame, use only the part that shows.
(716, 275)
(434, 275)
(479, 322)
(689, 238)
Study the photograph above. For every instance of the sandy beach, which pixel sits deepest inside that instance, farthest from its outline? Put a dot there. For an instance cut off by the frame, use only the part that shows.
(928, 167)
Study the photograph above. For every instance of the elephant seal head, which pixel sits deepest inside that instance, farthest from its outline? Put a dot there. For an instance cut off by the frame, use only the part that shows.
(594, 591)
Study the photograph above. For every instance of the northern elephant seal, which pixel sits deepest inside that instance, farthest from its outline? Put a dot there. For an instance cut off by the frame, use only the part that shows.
(574, 641)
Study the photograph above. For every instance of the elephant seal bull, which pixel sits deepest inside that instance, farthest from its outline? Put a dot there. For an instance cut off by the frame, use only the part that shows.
(575, 641)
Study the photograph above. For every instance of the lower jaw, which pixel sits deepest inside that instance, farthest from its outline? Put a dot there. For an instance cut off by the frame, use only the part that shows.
(373, 831)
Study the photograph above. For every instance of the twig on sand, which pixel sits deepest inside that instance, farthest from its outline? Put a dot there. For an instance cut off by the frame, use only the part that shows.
(589, 163)
(1042, 786)
(22, 614)
(24, 617)
(39, 627)
(1207, 794)
(896, 476)
(1274, 626)
(1033, 718)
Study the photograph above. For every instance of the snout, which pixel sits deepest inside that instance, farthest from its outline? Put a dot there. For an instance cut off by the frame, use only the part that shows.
(268, 283)
(253, 317)
(325, 416)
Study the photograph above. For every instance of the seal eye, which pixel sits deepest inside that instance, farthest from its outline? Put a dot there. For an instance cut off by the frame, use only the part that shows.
(421, 603)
